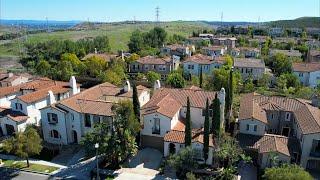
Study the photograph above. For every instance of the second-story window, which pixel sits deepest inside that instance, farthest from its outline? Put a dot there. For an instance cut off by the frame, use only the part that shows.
(156, 126)
(288, 115)
(87, 120)
(18, 106)
(52, 118)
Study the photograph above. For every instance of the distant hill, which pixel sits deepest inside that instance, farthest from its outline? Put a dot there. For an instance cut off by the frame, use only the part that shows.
(38, 24)
(302, 22)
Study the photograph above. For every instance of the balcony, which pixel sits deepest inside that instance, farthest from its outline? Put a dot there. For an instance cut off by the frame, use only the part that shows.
(155, 130)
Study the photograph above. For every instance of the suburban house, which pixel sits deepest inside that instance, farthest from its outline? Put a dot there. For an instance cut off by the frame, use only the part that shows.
(198, 63)
(279, 126)
(214, 50)
(177, 50)
(10, 79)
(27, 102)
(289, 53)
(164, 117)
(313, 56)
(206, 35)
(163, 66)
(230, 42)
(249, 52)
(235, 52)
(249, 67)
(308, 73)
(276, 32)
(68, 120)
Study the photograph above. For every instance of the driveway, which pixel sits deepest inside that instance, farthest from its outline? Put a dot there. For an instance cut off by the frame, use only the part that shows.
(247, 172)
(143, 166)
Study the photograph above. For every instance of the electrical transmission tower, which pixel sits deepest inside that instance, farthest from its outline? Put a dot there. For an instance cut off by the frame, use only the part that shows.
(157, 15)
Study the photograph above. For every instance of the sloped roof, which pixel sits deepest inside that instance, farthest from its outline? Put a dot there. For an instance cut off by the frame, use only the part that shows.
(153, 60)
(178, 137)
(306, 115)
(306, 67)
(16, 116)
(248, 62)
(269, 143)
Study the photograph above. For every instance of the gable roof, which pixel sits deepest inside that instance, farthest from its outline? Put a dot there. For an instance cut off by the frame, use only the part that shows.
(166, 106)
(250, 109)
(16, 116)
(306, 67)
(204, 59)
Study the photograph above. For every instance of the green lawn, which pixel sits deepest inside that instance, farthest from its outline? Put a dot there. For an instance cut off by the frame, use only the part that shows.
(33, 167)
(119, 34)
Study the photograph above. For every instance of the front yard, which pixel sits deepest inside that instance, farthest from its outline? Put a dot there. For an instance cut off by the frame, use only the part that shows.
(33, 167)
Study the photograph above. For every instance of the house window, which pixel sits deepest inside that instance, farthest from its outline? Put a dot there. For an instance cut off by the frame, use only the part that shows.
(52, 118)
(54, 134)
(190, 66)
(300, 74)
(271, 116)
(18, 106)
(96, 119)
(156, 126)
(87, 120)
(288, 115)
(248, 127)
(255, 128)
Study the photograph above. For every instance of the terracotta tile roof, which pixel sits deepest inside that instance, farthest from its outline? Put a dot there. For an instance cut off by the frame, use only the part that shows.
(269, 143)
(306, 67)
(213, 48)
(314, 53)
(36, 84)
(249, 62)
(166, 106)
(98, 99)
(60, 87)
(197, 97)
(180, 126)
(306, 115)
(250, 109)
(178, 137)
(14, 115)
(200, 59)
(153, 60)
(176, 46)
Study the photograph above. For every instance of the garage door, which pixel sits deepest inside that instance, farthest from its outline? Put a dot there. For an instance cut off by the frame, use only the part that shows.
(152, 142)
(313, 165)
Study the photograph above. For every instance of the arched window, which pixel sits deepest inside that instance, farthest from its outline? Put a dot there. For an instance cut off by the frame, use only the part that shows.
(54, 134)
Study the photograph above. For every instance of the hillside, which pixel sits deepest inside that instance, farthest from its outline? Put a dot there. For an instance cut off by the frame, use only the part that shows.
(302, 22)
(119, 33)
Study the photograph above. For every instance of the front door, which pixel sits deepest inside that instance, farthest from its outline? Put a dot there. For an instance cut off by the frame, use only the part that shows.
(10, 129)
(75, 137)
(285, 131)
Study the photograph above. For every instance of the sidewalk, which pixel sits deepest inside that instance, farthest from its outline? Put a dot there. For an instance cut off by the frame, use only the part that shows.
(33, 161)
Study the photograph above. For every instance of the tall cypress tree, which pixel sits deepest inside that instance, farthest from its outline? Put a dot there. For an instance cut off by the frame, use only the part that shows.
(206, 132)
(187, 131)
(216, 116)
(200, 78)
(135, 101)
(231, 89)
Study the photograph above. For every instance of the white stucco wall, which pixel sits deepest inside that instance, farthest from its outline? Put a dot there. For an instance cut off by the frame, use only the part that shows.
(144, 98)
(261, 127)
(6, 100)
(60, 126)
(306, 144)
(265, 159)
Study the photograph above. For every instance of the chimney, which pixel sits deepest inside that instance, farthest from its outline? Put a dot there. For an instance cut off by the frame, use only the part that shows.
(127, 87)
(157, 85)
(73, 85)
(221, 96)
(95, 51)
(122, 55)
(51, 98)
(10, 74)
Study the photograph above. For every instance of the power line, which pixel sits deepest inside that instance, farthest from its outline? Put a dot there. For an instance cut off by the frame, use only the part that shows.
(157, 14)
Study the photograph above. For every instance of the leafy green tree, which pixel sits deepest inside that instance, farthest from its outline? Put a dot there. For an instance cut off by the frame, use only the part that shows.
(288, 80)
(187, 131)
(43, 68)
(206, 132)
(184, 161)
(287, 172)
(152, 77)
(248, 85)
(135, 100)
(101, 43)
(73, 59)
(156, 37)
(64, 70)
(176, 80)
(264, 81)
(304, 93)
(229, 150)
(111, 77)
(281, 64)
(24, 144)
(216, 116)
(136, 42)
(95, 66)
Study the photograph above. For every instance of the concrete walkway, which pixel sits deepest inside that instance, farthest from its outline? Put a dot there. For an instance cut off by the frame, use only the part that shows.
(33, 161)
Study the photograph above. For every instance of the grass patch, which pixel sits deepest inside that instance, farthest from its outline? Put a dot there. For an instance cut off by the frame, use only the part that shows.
(32, 167)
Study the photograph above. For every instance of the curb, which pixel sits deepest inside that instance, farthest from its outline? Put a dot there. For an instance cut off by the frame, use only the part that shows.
(30, 171)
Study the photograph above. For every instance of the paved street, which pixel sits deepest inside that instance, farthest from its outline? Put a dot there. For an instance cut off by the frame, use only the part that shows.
(32, 176)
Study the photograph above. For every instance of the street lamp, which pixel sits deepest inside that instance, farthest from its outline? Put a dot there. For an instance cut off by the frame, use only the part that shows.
(97, 146)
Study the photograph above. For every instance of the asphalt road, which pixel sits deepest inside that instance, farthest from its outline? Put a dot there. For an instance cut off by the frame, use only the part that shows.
(6, 173)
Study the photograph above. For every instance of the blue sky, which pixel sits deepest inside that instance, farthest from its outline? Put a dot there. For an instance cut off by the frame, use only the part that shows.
(119, 10)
